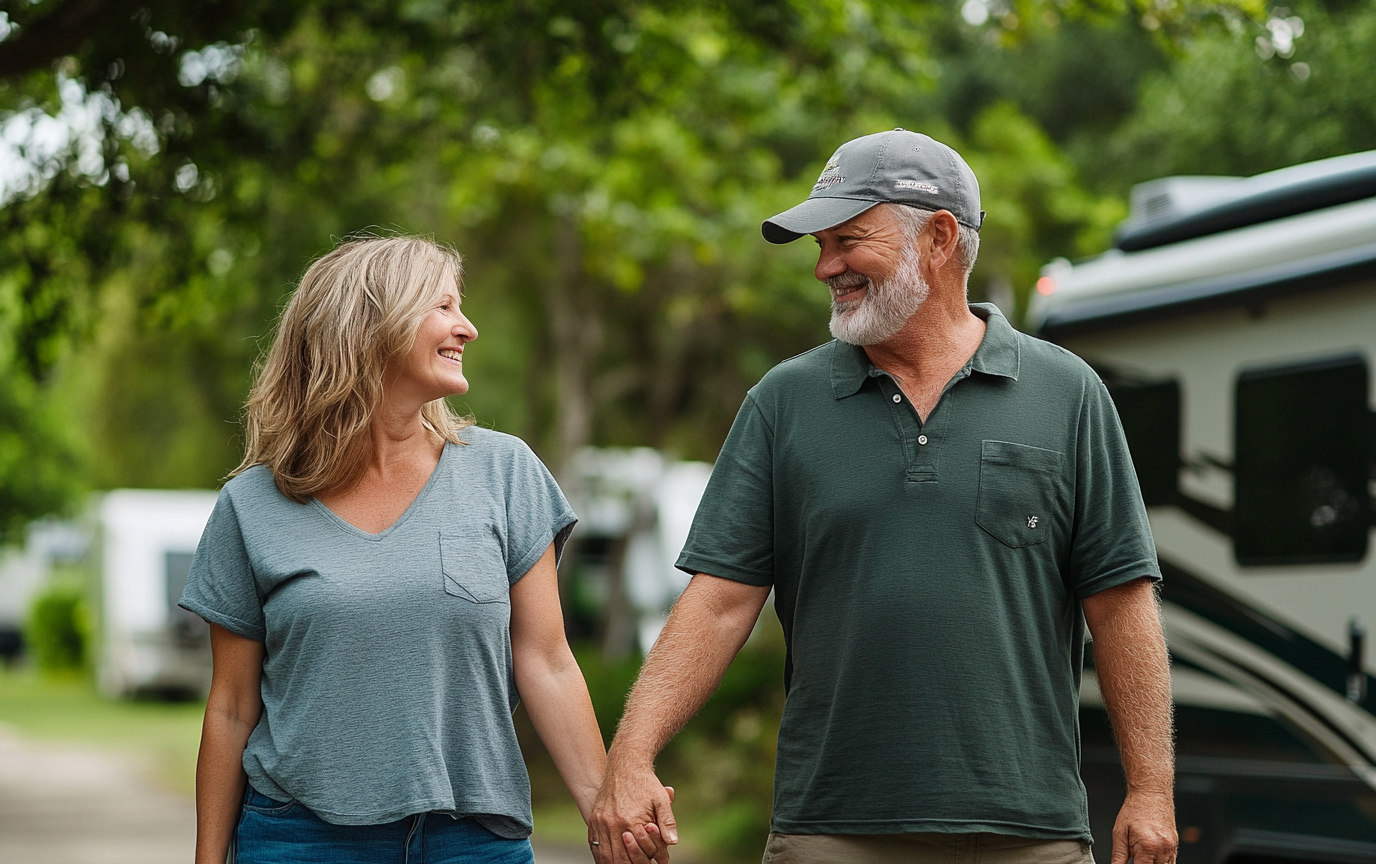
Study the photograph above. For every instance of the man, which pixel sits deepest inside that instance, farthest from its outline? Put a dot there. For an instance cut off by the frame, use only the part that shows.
(935, 499)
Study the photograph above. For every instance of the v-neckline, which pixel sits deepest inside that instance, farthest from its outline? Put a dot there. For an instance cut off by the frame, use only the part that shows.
(406, 514)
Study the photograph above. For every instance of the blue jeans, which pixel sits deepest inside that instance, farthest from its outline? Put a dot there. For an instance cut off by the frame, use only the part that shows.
(271, 832)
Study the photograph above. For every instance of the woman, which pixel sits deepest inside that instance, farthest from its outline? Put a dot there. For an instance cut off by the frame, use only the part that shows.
(379, 590)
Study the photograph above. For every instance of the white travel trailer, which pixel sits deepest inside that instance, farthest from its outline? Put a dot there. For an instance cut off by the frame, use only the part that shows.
(24, 572)
(635, 508)
(1235, 325)
(146, 539)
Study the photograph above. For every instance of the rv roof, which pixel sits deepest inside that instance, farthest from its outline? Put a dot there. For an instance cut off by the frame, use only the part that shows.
(1332, 246)
(1173, 209)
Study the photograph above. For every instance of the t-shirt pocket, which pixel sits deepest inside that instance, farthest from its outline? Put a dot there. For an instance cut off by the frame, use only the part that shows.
(1019, 492)
(473, 563)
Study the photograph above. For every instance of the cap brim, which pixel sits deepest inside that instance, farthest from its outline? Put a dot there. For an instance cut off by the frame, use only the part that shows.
(811, 216)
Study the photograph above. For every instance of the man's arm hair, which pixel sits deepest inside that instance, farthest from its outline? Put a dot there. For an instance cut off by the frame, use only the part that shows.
(1133, 668)
(706, 628)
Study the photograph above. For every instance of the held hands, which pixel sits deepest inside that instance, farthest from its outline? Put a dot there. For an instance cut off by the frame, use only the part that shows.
(1145, 830)
(632, 821)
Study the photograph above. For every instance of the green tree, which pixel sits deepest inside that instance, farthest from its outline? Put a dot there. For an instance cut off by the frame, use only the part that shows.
(604, 166)
(1252, 98)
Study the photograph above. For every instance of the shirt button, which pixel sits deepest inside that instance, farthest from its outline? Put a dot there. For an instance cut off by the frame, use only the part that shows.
(922, 439)
(897, 398)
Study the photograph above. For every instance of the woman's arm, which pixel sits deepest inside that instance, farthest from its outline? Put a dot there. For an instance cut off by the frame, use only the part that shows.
(551, 684)
(231, 712)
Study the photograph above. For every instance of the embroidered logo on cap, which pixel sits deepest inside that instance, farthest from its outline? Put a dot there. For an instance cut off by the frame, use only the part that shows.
(920, 187)
(831, 175)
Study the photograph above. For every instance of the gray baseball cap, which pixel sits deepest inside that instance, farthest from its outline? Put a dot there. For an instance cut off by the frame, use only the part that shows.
(899, 167)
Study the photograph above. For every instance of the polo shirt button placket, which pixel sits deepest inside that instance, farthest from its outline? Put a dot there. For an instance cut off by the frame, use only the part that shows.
(922, 439)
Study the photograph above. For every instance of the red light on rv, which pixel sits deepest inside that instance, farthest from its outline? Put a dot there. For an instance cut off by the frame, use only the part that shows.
(1046, 286)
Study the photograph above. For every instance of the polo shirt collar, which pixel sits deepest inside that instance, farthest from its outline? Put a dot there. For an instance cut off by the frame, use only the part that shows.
(998, 354)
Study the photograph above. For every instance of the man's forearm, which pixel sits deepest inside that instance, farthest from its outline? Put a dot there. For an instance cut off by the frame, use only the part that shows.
(632, 817)
(1133, 667)
(706, 628)
(1135, 679)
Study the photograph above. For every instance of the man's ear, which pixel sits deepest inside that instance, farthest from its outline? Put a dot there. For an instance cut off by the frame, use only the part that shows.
(943, 236)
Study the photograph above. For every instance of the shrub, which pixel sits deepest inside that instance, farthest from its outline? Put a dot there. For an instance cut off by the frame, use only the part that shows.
(56, 633)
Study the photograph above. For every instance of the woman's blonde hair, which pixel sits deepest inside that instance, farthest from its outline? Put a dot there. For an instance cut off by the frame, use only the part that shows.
(357, 309)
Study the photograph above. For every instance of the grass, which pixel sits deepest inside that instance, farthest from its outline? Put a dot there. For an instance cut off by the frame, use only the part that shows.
(162, 736)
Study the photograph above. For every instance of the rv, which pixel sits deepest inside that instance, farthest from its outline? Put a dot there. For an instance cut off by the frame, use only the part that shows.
(1234, 324)
(145, 540)
(635, 506)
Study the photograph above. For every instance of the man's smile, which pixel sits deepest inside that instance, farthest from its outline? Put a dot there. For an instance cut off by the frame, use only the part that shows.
(847, 286)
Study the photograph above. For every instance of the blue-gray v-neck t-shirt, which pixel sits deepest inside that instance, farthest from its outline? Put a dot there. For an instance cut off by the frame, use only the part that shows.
(387, 682)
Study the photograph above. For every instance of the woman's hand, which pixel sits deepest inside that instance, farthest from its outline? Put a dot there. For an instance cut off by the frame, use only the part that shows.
(231, 712)
(551, 684)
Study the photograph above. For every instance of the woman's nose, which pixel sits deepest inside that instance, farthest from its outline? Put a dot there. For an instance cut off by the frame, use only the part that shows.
(464, 329)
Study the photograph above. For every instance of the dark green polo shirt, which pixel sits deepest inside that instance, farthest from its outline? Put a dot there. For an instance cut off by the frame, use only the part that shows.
(927, 577)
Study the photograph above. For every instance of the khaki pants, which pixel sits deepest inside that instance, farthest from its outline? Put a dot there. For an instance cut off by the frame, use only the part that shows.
(922, 849)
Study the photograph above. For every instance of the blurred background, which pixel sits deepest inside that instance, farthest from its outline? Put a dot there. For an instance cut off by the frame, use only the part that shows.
(168, 169)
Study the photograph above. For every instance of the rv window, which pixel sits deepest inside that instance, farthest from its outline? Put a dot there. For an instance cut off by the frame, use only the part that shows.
(1300, 463)
(1151, 421)
(177, 567)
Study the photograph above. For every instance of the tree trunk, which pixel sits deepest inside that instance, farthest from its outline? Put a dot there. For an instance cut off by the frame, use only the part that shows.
(575, 331)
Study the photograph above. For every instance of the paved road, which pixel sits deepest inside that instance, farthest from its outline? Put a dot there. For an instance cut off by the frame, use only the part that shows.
(68, 805)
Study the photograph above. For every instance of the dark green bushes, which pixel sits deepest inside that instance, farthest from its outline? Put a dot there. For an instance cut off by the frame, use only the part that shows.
(57, 633)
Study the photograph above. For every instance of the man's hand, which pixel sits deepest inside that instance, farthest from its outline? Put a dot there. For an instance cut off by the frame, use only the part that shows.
(632, 820)
(1145, 830)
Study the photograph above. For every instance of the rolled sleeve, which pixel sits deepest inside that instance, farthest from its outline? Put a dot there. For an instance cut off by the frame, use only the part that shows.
(221, 587)
(537, 513)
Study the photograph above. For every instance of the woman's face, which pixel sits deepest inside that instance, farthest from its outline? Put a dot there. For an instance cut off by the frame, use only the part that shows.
(434, 368)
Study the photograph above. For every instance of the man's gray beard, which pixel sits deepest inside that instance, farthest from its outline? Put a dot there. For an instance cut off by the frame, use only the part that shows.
(886, 307)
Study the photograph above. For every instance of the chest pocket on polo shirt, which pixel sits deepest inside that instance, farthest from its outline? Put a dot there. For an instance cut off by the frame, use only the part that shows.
(1019, 492)
(473, 563)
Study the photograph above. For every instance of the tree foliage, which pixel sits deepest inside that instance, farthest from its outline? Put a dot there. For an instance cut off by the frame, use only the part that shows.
(604, 167)
(1256, 97)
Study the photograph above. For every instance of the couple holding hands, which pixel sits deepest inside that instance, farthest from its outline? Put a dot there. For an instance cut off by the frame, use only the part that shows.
(940, 504)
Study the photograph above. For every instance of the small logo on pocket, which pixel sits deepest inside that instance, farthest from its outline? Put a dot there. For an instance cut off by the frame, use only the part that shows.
(1032, 521)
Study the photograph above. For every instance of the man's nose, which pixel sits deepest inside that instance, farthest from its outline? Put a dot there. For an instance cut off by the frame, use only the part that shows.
(829, 264)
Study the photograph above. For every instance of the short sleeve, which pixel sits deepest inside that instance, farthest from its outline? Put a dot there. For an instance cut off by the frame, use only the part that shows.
(733, 531)
(1112, 542)
(537, 513)
(220, 587)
